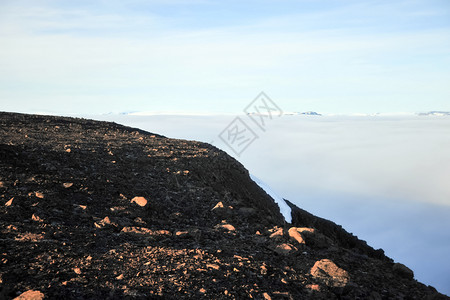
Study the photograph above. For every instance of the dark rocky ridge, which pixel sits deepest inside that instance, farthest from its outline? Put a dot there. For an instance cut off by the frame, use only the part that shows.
(71, 226)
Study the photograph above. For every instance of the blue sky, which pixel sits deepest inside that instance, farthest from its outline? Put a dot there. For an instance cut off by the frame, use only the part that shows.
(215, 56)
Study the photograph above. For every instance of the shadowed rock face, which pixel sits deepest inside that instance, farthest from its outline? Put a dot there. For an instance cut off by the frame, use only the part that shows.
(98, 210)
(333, 232)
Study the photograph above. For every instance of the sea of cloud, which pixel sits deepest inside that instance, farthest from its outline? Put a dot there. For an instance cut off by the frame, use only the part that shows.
(384, 178)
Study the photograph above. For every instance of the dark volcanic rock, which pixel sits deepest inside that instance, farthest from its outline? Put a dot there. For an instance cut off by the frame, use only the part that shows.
(403, 271)
(94, 210)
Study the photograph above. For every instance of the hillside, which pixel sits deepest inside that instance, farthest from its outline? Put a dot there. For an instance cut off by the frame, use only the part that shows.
(97, 210)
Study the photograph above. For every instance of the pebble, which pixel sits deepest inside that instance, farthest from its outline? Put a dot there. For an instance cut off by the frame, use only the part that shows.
(221, 209)
(141, 201)
(9, 202)
(313, 287)
(182, 233)
(39, 195)
(218, 206)
(213, 266)
(36, 218)
(228, 227)
(267, 296)
(77, 271)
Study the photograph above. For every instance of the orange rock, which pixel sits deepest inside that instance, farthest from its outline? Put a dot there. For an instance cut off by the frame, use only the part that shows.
(277, 234)
(263, 270)
(141, 201)
(33, 237)
(313, 287)
(303, 229)
(9, 202)
(283, 249)
(295, 235)
(162, 232)
(106, 220)
(328, 272)
(143, 230)
(222, 210)
(267, 296)
(226, 226)
(218, 205)
(182, 233)
(30, 295)
(213, 266)
(39, 195)
(67, 184)
(11, 227)
(36, 218)
(103, 223)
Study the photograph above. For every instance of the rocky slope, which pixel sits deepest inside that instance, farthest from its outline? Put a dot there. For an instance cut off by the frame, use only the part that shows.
(96, 210)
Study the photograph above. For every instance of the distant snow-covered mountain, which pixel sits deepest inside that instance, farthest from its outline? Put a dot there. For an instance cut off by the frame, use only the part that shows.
(308, 113)
(289, 113)
(435, 113)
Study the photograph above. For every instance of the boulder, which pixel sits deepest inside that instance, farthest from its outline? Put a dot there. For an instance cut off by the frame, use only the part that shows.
(295, 235)
(30, 295)
(403, 271)
(329, 273)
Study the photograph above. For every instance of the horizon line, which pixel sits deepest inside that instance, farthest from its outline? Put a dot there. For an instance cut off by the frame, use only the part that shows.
(205, 114)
